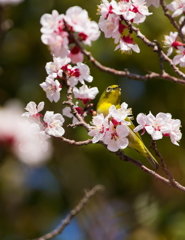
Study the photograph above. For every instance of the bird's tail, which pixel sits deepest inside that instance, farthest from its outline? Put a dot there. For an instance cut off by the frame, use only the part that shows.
(136, 143)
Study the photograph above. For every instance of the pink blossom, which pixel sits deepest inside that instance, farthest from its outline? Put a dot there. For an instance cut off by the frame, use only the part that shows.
(75, 55)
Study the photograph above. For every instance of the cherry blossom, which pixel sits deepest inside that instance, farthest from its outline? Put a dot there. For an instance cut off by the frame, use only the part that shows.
(159, 126)
(54, 32)
(33, 110)
(84, 93)
(180, 58)
(100, 127)
(49, 22)
(123, 8)
(121, 113)
(126, 44)
(178, 7)
(78, 19)
(110, 26)
(52, 89)
(54, 69)
(53, 123)
(171, 41)
(106, 8)
(140, 9)
(80, 73)
(115, 137)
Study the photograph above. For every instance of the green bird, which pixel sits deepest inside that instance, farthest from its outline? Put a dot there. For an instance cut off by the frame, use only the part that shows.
(112, 96)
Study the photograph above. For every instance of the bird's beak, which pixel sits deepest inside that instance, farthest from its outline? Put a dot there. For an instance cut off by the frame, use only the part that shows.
(118, 87)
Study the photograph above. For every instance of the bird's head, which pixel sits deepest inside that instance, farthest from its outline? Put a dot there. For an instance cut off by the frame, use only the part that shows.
(112, 94)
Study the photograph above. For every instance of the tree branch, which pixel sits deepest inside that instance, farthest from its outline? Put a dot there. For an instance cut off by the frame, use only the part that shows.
(152, 173)
(72, 214)
(126, 73)
(73, 142)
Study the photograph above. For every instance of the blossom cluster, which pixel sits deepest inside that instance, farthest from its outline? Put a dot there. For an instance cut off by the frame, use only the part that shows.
(112, 18)
(112, 129)
(171, 40)
(159, 126)
(54, 32)
(60, 70)
(172, 43)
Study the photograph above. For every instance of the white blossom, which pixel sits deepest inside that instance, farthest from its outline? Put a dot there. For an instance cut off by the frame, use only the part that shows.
(54, 69)
(121, 113)
(84, 93)
(49, 22)
(100, 127)
(178, 7)
(110, 26)
(159, 126)
(180, 58)
(33, 110)
(141, 10)
(80, 73)
(115, 137)
(52, 89)
(54, 124)
(170, 42)
(126, 44)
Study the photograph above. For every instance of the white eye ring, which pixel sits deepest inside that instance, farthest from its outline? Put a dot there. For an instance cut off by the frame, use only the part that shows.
(108, 89)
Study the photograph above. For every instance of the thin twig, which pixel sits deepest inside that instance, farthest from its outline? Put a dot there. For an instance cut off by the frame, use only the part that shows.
(126, 73)
(163, 165)
(72, 214)
(73, 142)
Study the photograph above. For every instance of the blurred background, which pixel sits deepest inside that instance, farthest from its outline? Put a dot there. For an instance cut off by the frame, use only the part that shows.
(134, 206)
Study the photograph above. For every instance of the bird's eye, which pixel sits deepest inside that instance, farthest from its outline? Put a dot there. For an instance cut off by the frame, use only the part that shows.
(108, 89)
